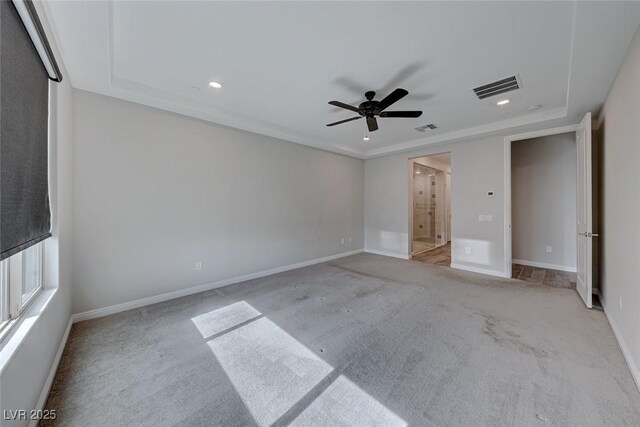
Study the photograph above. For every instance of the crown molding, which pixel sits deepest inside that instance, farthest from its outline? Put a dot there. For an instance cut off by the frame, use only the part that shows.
(137, 92)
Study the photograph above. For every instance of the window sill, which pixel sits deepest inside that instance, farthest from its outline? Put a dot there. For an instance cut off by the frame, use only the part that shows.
(17, 330)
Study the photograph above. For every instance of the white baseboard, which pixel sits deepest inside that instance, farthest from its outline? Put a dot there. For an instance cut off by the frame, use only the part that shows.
(544, 265)
(481, 270)
(635, 373)
(390, 254)
(105, 311)
(44, 395)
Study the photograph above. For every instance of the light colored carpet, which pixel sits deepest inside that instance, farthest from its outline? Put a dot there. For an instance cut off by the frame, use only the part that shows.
(364, 340)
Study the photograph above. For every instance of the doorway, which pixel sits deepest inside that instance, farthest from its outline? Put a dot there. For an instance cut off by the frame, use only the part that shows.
(543, 209)
(578, 232)
(430, 216)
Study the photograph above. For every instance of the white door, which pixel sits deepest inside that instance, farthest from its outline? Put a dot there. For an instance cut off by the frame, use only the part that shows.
(585, 244)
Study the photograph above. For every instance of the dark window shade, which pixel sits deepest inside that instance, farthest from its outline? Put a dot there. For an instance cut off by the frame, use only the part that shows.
(25, 218)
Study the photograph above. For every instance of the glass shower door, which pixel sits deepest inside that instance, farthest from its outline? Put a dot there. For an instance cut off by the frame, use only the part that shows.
(424, 209)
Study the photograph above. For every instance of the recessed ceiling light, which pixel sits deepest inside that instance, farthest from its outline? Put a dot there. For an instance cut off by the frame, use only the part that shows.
(417, 172)
(215, 85)
(503, 102)
(366, 138)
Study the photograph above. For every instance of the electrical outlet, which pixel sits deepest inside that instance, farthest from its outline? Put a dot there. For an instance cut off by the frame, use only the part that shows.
(342, 241)
(467, 250)
(198, 265)
(549, 249)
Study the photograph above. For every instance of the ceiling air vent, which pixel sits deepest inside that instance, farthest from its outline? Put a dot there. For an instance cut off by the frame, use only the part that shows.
(425, 127)
(496, 88)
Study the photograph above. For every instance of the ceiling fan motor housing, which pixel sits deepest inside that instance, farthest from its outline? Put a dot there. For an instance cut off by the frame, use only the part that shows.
(369, 109)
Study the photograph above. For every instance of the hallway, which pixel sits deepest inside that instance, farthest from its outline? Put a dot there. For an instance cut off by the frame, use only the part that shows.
(440, 256)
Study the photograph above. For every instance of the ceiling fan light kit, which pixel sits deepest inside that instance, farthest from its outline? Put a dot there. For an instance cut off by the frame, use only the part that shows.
(370, 109)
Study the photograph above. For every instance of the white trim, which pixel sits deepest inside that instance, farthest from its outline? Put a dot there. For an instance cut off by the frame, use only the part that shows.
(507, 204)
(481, 270)
(389, 254)
(542, 132)
(21, 327)
(545, 265)
(129, 305)
(426, 250)
(411, 166)
(52, 373)
(493, 128)
(635, 373)
(507, 183)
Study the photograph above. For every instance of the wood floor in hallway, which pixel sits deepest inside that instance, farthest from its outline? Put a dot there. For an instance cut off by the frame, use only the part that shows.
(440, 255)
(544, 276)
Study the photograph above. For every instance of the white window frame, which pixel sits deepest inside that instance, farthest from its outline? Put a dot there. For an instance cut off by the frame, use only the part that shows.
(12, 302)
(5, 318)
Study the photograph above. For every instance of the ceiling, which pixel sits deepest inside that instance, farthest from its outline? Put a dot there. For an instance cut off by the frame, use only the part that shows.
(443, 158)
(280, 63)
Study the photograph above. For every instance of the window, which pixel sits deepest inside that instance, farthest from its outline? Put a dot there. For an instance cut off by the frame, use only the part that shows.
(21, 279)
(27, 66)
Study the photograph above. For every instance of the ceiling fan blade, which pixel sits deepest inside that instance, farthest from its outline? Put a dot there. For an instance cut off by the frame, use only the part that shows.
(372, 124)
(407, 114)
(343, 105)
(344, 121)
(393, 97)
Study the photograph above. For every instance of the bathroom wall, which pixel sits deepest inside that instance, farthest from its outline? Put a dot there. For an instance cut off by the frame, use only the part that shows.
(423, 190)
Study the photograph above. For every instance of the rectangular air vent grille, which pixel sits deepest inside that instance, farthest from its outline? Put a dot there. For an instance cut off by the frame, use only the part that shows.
(425, 127)
(498, 87)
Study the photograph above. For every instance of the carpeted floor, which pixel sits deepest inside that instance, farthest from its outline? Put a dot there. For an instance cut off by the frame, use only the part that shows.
(364, 340)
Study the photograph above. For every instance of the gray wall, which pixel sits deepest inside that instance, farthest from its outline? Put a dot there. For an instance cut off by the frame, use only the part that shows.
(476, 168)
(26, 358)
(620, 232)
(543, 203)
(156, 192)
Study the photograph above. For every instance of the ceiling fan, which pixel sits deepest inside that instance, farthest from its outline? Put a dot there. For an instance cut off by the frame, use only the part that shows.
(370, 109)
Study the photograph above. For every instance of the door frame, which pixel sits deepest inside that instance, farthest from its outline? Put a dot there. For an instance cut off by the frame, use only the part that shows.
(508, 243)
(410, 162)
